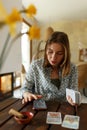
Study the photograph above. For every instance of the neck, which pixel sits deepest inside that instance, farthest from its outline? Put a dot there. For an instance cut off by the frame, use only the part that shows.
(55, 68)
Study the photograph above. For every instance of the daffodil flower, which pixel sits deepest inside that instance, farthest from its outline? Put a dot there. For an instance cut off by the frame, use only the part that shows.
(34, 32)
(9, 19)
(31, 10)
(12, 19)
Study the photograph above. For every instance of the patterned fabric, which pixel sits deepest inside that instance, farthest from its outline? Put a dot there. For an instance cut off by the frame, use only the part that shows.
(38, 81)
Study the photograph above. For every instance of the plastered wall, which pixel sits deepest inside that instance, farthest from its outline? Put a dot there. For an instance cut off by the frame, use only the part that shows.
(77, 32)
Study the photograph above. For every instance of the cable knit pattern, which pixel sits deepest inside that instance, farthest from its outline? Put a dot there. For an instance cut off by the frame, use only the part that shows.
(38, 81)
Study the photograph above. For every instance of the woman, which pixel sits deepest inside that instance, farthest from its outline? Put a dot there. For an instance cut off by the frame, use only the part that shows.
(49, 77)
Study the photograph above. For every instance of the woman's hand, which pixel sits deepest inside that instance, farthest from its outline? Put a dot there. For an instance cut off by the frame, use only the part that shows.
(69, 99)
(29, 97)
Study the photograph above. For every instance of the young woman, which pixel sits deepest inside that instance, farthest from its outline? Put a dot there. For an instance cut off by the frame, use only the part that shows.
(49, 77)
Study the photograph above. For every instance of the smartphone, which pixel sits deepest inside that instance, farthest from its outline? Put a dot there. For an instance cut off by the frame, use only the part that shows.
(39, 104)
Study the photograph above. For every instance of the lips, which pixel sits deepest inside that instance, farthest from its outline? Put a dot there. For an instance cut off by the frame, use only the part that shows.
(53, 62)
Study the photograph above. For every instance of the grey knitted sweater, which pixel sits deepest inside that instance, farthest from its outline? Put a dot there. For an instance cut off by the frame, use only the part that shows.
(38, 81)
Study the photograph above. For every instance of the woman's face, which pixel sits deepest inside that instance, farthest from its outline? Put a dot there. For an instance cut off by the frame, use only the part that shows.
(55, 54)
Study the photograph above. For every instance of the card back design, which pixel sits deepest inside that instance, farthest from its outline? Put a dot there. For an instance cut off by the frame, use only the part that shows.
(39, 104)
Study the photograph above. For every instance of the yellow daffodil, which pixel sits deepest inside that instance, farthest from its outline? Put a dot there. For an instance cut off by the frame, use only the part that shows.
(9, 19)
(15, 16)
(34, 32)
(12, 19)
(31, 10)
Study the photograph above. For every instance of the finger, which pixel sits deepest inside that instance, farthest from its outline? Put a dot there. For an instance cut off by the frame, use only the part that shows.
(39, 96)
(35, 97)
(29, 98)
(70, 100)
(23, 101)
(68, 97)
(26, 99)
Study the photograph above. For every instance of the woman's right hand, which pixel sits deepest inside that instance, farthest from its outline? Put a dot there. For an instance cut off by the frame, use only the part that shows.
(29, 97)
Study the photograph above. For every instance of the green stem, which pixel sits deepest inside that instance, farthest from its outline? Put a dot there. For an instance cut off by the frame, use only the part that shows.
(11, 43)
(2, 24)
(3, 51)
(22, 11)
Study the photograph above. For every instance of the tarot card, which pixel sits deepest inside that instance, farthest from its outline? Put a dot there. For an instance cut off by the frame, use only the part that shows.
(71, 121)
(54, 118)
(75, 95)
(39, 104)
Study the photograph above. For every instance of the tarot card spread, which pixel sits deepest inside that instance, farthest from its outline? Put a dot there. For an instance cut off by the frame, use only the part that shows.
(54, 118)
(71, 121)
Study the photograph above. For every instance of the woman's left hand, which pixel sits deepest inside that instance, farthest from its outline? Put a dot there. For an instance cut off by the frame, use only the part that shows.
(69, 99)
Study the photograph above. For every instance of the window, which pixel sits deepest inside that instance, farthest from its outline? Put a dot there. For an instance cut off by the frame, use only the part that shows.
(6, 85)
(25, 43)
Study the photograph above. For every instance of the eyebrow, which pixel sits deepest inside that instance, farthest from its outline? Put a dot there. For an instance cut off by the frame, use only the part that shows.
(57, 51)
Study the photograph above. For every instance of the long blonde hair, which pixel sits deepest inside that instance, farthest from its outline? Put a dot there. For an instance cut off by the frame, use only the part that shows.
(62, 39)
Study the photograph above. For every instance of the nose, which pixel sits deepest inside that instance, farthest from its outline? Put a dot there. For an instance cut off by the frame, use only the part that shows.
(53, 56)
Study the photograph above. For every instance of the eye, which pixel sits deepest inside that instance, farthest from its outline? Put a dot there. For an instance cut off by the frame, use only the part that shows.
(60, 53)
(49, 51)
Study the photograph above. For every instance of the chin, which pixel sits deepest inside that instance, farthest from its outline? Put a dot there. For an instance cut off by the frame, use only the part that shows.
(54, 65)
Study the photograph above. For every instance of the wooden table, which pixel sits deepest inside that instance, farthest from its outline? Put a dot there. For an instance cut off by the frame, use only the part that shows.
(38, 122)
